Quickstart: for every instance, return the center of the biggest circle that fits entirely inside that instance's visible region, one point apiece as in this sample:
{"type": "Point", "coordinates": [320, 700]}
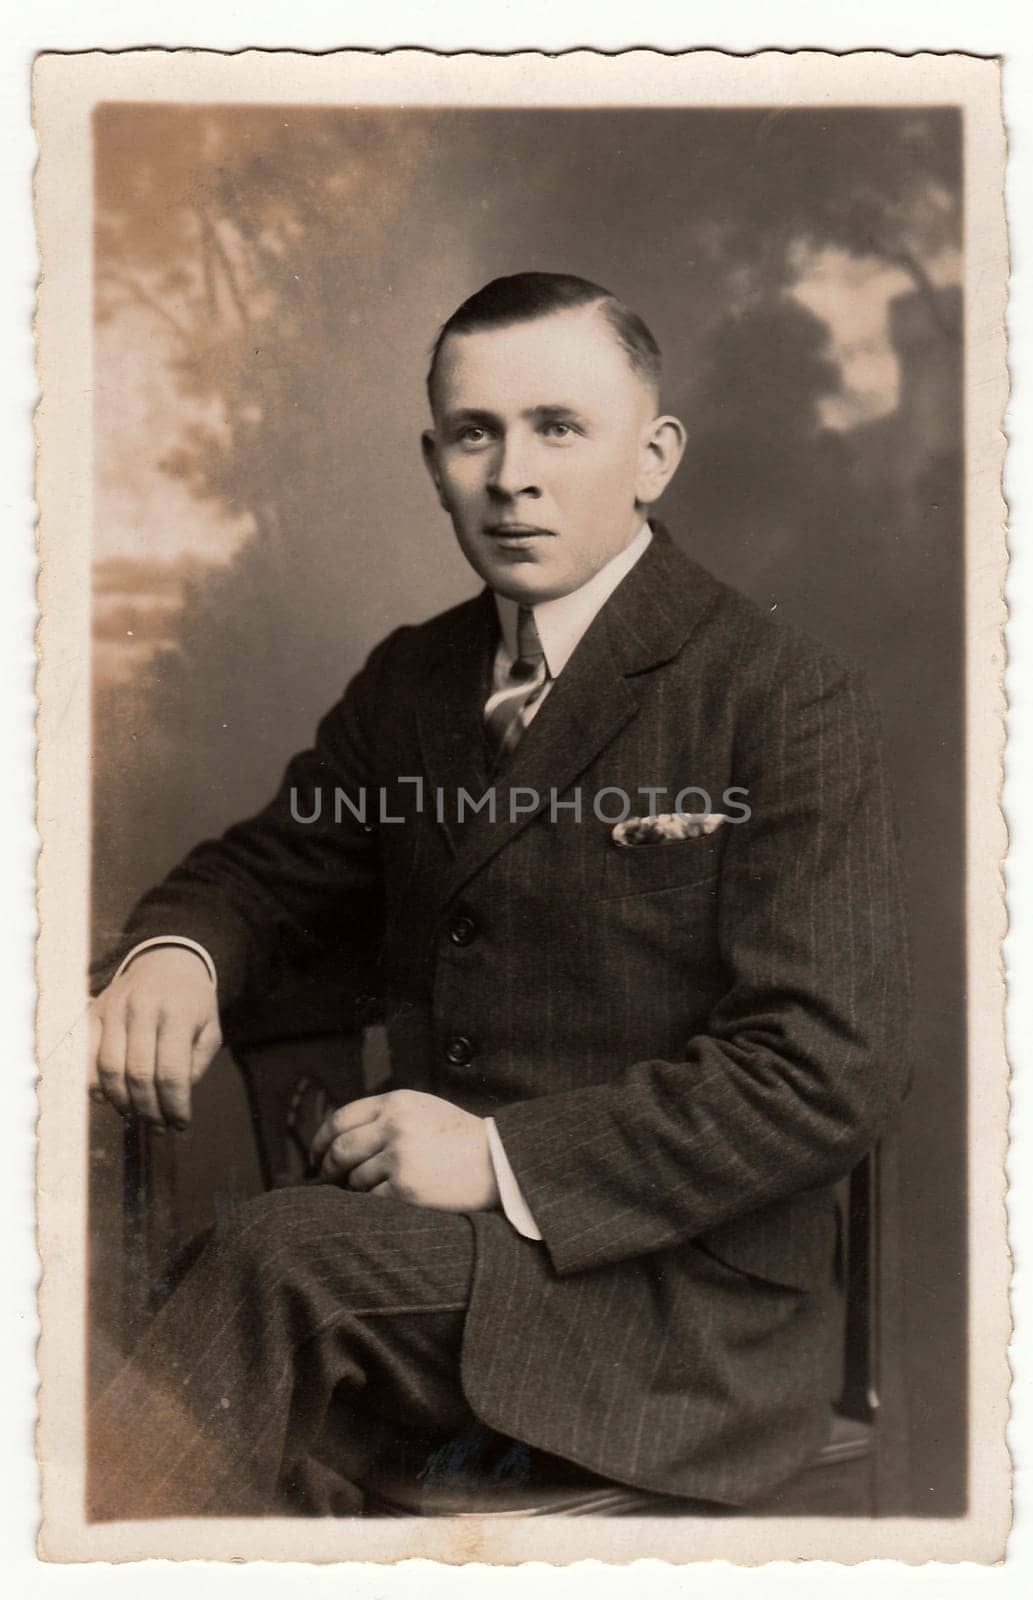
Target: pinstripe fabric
{"type": "Point", "coordinates": [684, 1046]}
{"type": "Point", "coordinates": [303, 1294]}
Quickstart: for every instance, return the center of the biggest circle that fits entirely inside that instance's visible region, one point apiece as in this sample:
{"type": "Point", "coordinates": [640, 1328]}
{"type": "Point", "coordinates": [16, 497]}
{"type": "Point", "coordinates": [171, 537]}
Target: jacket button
{"type": "Point", "coordinates": [459, 1051]}
{"type": "Point", "coordinates": [462, 930]}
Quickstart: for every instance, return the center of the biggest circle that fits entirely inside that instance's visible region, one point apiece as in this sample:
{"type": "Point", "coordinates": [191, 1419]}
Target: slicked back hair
{"type": "Point", "coordinates": [525, 296]}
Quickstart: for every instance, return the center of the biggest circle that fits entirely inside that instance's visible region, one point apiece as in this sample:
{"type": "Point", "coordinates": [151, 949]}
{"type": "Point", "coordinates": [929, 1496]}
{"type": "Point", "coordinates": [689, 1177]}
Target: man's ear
{"type": "Point", "coordinates": [663, 445]}
{"type": "Point", "coordinates": [429, 446]}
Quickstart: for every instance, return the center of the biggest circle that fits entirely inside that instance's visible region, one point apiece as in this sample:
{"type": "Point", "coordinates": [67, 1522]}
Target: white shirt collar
{"type": "Point", "coordinates": [561, 623]}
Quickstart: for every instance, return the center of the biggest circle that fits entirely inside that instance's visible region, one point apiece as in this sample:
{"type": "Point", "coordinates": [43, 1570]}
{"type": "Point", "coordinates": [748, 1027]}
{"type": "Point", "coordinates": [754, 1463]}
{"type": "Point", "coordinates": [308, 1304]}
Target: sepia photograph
{"type": "Point", "coordinates": [521, 649]}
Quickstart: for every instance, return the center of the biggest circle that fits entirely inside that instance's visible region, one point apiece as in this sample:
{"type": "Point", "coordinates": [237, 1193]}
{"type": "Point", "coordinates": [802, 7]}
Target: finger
{"type": "Point", "coordinates": [348, 1149]}
{"type": "Point", "coordinates": [358, 1144]}
{"type": "Point", "coordinates": [322, 1139]}
{"type": "Point", "coordinates": [141, 1058]}
{"type": "Point", "coordinates": [383, 1188]}
{"type": "Point", "coordinates": [173, 1060]}
{"type": "Point", "coordinates": [206, 1047]}
{"type": "Point", "coordinates": [354, 1115]}
{"type": "Point", "coordinates": [96, 1034]}
{"type": "Point", "coordinates": [111, 1060]}
{"type": "Point", "coordinates": [368, 1174]}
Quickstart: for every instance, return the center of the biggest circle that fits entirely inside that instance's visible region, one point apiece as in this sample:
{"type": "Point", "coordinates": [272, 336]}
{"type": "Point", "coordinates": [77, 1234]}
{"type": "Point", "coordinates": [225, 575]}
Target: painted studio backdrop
{"type": "Point", "coordinates": [268, 284]}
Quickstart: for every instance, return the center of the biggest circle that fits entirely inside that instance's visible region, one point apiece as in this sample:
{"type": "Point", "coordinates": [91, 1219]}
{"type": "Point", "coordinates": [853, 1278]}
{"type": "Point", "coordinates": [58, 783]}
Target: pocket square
{"type": "Point", "coordinates": [669, 827]}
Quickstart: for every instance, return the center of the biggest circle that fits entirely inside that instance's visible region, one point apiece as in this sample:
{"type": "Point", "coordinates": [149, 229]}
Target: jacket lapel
{"type": "Point", "coordinates": [450, 708]}
{"type": "Point", "coordinates": [644, 623]}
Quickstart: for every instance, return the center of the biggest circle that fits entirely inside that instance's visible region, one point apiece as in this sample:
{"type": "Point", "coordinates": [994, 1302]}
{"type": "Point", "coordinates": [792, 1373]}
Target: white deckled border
{"type": "Point", "coordinates": [66, 89]}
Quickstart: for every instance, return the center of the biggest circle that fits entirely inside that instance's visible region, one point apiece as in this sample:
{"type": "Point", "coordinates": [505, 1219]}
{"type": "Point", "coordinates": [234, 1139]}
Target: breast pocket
{"type": "Point", "coordinates": [653, 868]}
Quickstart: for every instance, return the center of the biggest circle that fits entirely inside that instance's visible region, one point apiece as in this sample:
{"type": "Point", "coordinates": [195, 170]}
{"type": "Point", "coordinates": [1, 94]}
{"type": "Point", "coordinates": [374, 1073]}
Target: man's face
{"type": "Point", "coordinates": [540, 450]}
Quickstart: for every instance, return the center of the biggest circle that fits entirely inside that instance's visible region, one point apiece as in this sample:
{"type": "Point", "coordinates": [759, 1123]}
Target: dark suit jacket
{"type": "Point", "coordinates": [684, 1045]}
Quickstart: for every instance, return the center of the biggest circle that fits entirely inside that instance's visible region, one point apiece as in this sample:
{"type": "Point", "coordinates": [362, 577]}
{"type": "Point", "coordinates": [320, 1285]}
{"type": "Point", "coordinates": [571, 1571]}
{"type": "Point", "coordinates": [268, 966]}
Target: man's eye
{"type": "Point", "coordinates": [474, 434]}
{"type": "Point", "coordinates": [558, 430]}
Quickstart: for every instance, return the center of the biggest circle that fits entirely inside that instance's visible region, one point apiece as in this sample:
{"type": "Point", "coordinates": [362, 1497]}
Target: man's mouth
{"type": "Point", "coordinates": [506, 532]}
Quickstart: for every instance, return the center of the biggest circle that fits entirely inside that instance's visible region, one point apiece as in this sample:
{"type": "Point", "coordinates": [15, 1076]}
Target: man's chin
{"type": "Point", "coordinates": [523, 576]}
{"type": "Point", "coordinates": [529, 585]}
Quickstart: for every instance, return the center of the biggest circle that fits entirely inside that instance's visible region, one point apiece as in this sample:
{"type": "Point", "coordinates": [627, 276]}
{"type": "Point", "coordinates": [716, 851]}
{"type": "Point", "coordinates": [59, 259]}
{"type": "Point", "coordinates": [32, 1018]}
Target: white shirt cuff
{"type": "Point", "coordinates": [165, 939]}
{"type": "Point", "coordinates": [513, 1203]}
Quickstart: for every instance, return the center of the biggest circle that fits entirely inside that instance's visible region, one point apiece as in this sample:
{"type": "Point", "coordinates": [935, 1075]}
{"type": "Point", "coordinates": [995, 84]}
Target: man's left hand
{"type": "Point", "coordinates": [412, 1146]}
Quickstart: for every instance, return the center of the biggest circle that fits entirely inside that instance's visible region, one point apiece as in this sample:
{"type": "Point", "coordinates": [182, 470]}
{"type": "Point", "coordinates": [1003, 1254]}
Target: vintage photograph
{"type": "Point", "coordinates": [525, 548]}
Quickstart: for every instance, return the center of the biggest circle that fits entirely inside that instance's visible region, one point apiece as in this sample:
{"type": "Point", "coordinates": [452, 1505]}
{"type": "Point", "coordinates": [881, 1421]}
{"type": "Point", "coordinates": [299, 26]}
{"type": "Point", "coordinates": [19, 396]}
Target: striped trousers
{"type": "Point", "coordinates": [302, 1297]}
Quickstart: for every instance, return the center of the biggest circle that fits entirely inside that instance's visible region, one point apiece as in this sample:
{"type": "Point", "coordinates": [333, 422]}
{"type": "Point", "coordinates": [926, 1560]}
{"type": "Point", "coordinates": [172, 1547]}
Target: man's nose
{"type": "Point", "coordinates": [513, 471]}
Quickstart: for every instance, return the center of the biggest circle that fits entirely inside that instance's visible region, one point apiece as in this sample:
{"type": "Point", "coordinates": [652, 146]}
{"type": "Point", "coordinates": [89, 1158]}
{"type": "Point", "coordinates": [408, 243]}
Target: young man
{"type": "Point", "coordinates": [630, 1059]}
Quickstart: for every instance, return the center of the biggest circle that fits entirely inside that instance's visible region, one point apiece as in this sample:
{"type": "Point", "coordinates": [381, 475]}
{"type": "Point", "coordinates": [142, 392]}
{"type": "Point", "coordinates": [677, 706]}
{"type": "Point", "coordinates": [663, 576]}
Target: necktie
{"type": "Point", "coordinates": [505, 713]}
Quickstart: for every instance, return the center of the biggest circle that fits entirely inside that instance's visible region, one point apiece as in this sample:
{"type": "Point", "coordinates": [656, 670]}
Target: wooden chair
{"type": "Point", "coordinates": [860, 1471]}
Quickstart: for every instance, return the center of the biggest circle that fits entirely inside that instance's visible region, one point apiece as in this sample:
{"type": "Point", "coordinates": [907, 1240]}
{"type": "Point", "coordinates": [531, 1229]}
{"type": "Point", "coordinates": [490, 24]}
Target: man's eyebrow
{"type": "Point", "coordinates": [555, 413]}
{"type": "Point", "coordinates": [463, 416]}
{"type": "Point", "coordinates": [470, 414]}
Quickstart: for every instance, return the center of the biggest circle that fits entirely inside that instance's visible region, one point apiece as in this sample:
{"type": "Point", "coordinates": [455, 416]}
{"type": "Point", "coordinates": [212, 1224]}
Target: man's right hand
{"type": "Point", "coordinates": [153, 1032]}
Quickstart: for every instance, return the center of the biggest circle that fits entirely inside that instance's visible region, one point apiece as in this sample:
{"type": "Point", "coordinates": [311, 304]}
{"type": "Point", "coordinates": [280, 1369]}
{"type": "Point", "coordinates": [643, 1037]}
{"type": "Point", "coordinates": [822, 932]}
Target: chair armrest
{"type": "Point", "coordinates": [291, 1084]}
